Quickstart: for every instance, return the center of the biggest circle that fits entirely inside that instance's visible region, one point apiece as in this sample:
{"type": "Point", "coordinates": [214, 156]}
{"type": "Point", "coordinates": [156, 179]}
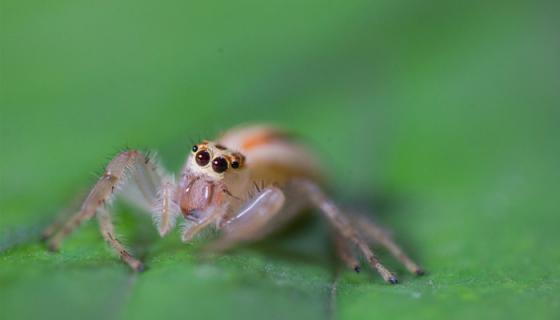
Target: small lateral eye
{"type": "Point", "coordinates": [235, 164]}
{"type": "Point", "coordinates": [194, 148]}
{"type": "Point", "coordinates": [219, 164]}
{"type": "Point", "coordinates": [202, 158]}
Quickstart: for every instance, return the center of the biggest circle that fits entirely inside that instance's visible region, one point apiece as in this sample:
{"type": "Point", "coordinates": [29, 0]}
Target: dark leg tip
{"type": "Point", "coordinates": [420, 272]}
{"type": "Point", "coordinates": [140, 268]}
{"type": "Point", "coordinates": [357, 269]}
{"type": "Point", "coordinates": [52, 247]}
{"type": "Point", "coordinates": [393, 280]}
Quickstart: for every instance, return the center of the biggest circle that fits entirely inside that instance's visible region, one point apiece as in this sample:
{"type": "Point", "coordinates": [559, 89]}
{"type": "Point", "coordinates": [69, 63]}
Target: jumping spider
{"type": "Point", "coordinates": [217, 187]}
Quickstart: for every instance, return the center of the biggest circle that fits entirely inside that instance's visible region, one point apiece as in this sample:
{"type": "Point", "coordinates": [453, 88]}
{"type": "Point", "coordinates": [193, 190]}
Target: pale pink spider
{"type": "Point", "coordinates": [246, 184]}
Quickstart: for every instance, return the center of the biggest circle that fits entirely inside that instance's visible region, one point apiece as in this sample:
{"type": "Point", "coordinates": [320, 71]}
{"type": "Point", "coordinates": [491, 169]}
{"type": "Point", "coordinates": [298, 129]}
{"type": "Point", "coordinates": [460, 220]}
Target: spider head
{"type": "Point", "coordinates": [214, 160]}
{"type": "Point", "coordinates": [212, 174]}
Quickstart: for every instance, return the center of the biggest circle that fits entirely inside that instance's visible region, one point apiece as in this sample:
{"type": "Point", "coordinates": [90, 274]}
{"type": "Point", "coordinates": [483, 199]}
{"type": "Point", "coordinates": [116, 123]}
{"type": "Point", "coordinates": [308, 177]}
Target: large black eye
{"type": "Point", "coordinates": [202, 158]}
{"type": "Point", "coordinates": [194, 148]}
{"type": "Point", "coordinates": [219, 164]}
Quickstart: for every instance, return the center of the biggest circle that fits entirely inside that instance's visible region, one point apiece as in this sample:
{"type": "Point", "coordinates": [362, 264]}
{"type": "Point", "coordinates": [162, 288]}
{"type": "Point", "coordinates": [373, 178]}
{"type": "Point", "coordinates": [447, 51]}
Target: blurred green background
{"type": "Point", "coordinates": [443, 117]}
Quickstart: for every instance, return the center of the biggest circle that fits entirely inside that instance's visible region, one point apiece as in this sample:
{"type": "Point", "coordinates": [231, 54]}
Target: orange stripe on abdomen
{"type": "Point", "coordinates": [260, 139]}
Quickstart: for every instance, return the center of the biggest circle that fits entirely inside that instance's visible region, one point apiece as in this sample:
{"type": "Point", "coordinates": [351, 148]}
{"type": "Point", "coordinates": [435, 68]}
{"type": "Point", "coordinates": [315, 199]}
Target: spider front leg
{"type": "Point", "coordinates": [165, 211]}
{"type": "Point", "coordinates": [251, 221]}
{"type": "Point", "coordinates": [208, 217]}
{"type": "Point", "coordinates": [108, 233]}
{"type": "Point", "coordinates": [128, 166]}
{"type": "Point", "coordinates": [62, 216]}
{"type": "Point", "coordinates": [342, 224]}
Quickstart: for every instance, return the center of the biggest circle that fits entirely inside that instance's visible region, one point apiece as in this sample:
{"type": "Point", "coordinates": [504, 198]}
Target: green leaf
{"type": "Point", "coordinates": [441, 118]}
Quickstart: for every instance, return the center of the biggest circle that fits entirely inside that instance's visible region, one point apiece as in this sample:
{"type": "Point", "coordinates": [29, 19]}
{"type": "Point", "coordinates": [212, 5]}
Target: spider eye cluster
{"type": "Point", "coordinates": [219, 164]}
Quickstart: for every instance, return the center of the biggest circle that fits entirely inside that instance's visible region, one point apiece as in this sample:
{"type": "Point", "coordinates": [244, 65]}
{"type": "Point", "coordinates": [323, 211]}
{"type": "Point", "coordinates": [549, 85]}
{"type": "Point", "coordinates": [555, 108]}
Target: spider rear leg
{"type": "Point", "coordinates": [342, 224]}
{"type": "Point", "coordinates": [344, 252]}
{"type": "Point", "coordinates": [378, 234]}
